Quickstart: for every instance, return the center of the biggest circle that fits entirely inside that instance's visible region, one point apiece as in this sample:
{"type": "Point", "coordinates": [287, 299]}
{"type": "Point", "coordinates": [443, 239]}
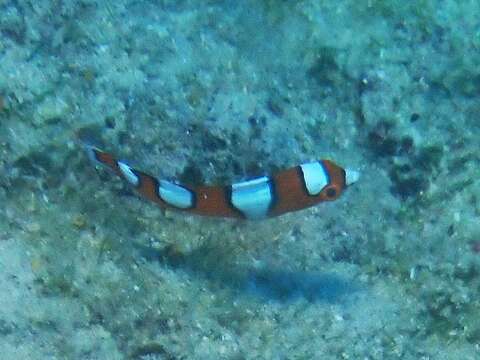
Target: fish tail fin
{"type": "Point", "coordinates": [88, 139]}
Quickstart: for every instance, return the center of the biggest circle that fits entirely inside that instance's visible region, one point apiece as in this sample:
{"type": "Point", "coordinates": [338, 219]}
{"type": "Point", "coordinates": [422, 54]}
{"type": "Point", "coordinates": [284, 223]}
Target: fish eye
{"type": "Point", "coordinates": [331, 193]}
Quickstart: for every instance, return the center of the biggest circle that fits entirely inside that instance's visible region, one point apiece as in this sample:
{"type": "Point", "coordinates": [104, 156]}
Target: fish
{"type": "Point", "coordinates": [292, 189]}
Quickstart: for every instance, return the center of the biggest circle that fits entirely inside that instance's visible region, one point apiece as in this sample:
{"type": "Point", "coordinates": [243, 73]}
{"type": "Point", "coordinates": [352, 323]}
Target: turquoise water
{"type": "Point", "coordinates": [214, 92]}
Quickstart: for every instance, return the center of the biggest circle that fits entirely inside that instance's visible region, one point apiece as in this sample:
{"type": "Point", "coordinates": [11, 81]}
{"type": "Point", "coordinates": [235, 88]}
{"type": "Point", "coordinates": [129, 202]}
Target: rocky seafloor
{"type": "Point", "coordinates": [212, 92]}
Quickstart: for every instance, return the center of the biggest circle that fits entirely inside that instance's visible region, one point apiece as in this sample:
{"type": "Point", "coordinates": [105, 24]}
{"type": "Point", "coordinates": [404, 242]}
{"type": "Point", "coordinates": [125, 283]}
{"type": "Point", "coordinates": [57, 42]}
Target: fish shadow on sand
{"type": "Point", "coordinates": [284, 286]}
{"type": "Point", "coordinates": [266, 284]}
